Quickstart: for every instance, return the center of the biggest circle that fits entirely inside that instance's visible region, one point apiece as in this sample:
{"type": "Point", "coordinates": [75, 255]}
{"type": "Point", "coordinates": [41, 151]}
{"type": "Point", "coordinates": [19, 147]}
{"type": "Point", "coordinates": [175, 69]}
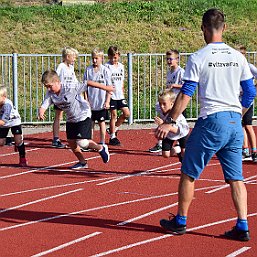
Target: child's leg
{"type": "Point", "coordinates": [56, 124]}
{"type": "Point", "coordinates": [112, 123]}
{"type": "Point", "coordinates": [102, 131]}
{"type": "Point", "coordinates": [125, 114]}
{"type": "Point", "coordinates": [76, 150]}
{"type": "Point", "coordinates": [3, 135]}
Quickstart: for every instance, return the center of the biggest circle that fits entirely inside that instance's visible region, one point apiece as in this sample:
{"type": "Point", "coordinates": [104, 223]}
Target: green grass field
{"type": "Point", "coordinates": [135, 26]}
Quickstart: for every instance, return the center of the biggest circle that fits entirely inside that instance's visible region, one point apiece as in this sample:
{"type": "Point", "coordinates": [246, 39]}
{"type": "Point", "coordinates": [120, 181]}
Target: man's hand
{"type": "Point", "coordinates": [162, 131]}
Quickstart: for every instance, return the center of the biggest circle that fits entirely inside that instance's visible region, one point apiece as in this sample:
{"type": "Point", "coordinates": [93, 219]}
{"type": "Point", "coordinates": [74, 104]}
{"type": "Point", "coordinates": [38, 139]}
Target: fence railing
{"type": "Point", "coordinates": [146, 77]}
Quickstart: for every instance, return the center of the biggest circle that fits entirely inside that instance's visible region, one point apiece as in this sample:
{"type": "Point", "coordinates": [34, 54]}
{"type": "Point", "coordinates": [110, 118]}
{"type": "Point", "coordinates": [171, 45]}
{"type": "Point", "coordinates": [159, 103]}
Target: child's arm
{"type": "Point", "coordinates": [46, 103]}
{"type": "Point", "coordinates": [107, 101]}
{"type": "Point", "coordinates": [2, 123]}
{"type": "Point", "coordinates": [41, 113]}
{"type": "Point", "coordinates": [101, 86]}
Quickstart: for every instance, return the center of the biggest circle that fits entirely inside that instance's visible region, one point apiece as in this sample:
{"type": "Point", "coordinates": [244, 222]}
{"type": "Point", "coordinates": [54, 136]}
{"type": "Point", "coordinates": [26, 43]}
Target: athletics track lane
{"type": "Point", "coordinates": [113, 209]}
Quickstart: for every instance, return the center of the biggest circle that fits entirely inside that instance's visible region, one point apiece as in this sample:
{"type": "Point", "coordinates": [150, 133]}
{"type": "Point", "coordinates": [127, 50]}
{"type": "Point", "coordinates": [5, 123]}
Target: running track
{"type": "Point", "coordinates": [113, 209]}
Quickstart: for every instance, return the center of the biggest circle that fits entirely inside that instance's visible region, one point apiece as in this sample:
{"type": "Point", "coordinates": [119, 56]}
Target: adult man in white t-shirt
{"type": "Point", "coordinates": [218, 70]}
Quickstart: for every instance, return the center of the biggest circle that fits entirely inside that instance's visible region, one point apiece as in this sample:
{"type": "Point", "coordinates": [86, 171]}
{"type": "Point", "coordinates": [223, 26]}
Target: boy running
{"type": "Point", "coordinates": [68, 98]}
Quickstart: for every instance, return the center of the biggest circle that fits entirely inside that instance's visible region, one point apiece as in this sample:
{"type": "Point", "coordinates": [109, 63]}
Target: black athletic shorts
{"type": "Point", "coordinates": [248, 117]}
{"type": "Point", "coordinates": [16, 130]}
{"type": "Point", "coordinates": [101, 115]}
{"type": "Point", "coordinates": [118, 104]}
{"type": "Point", "coordinates": [79, 130]}
{"type": "Point", "coordinates": [167, 144]}
{"type": "Point", "coordinates": [57, 108]}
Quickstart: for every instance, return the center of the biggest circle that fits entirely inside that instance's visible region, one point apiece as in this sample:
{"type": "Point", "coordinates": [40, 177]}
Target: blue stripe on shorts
{"type": "Point", "coordinates": [221, 134]}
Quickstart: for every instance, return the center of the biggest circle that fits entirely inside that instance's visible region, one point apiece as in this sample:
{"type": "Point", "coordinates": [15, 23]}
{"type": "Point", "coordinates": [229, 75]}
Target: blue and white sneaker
{"type": "Point", "coordinates": [105, 154]}
{"type": "Point", "coordinates": [79, 166]}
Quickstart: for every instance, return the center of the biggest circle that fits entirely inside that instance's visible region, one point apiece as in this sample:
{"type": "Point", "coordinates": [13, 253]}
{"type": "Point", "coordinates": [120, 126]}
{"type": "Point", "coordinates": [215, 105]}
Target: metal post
{"type": "Point", "coordinates": [130, 88]}
{"type": "Point", "coordinates": [15, 79]}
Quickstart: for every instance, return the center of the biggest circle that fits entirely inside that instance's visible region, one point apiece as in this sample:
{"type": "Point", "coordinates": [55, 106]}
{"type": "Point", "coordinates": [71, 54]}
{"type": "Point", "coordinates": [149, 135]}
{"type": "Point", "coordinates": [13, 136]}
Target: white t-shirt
{"type": "Point", "coordinates": [253, 70]}
{"type": "Point", "coordinates": [175, 77]}
{"type": "Point", "coordinates": [66, 73]}
{"type": "Point", "coordinates": [70, 101]}
{"type": "Point", "coordinates": [117, 76]}
{"type": "Point", "coordinates": [97, 96]}
{"type": "Point", "coordinates": [218, 69]}
{"type": "Point", "coordinates": [181, 123]}
{"type": "Point", "coordinates": [9, 114]}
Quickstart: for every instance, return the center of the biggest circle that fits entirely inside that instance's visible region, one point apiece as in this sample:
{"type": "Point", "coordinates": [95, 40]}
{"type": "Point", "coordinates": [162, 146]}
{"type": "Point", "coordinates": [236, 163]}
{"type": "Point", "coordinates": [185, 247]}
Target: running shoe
{"type": "Point", "coordinates": [114, 141]}
{"type": "Point", "coordinates": [254, 156]}
{"type": "Point", "coordinates": [23, 162]}
{"type": "Point", "coordinates": [105, 154]}
{"type": "Point", "coordinates": [172, 226]}
{"type": "Point", "coordinates": [246, 156]}
{"type": "Point", "coordinates": [236, 234]}
{"type": "Point", "coordinates": [58, 144]}
{"type": "Point", "coordinates": [79, 166]}
{"type": "Point", "coordinates": [155, 149]}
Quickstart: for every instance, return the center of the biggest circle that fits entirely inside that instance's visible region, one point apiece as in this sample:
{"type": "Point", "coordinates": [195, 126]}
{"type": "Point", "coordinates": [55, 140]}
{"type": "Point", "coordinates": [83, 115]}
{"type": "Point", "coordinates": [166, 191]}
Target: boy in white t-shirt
{"type": "Point", "coordinates": [99, 99]}
{"type": "Point", "coordinates": [179, 132]}
{"type": "Point", "coordinates": [173, 80]}
{"type": "Point", "coordinates": [118, 101]}
{"type": "Point", "coordinates": [65, 71]}
{"type": "Point", "coordinates": [10, 119]}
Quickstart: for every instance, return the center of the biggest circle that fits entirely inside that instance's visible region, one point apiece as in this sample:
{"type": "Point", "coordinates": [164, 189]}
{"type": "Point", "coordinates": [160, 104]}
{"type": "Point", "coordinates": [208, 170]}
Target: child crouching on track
{"type": "Point", "coordinates": [68, 98]}
{"type": "Point", "coordinates": [179, 130]}
{"type": "Point", "coordinates": [10, 119]}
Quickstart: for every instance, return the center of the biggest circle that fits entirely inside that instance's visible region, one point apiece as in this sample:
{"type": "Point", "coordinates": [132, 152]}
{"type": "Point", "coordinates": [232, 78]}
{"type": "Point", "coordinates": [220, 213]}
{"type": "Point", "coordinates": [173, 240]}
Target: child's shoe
{"type": "Point", "coordinates": [105, 154]}
{"type": "Point", "coordinates": [23, 162]}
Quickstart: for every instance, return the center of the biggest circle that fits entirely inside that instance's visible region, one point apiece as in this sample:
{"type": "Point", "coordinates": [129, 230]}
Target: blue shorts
{"type": "Point", "coordinates": [221, 134]}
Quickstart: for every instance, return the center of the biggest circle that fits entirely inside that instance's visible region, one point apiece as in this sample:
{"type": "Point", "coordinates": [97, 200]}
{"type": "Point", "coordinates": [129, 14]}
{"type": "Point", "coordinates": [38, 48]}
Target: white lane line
{"type": "Point", "coordinates": [45, 168]}
{"type": "Point", "coordinates": [95, 209]}
{"type": "Point", "coordinates": [147, 214]}
{"type": "Point", "coordinates": [227, 185]}
{"type": "Point", "coordinates": [161, 237]}
{"type": "Point", "coordinates": [51, 187]}
{"type": "Point", "coordinates": [137, 174]}
{"type": "Point", "coordinates": [67, 244]}
{"type": "Point", "coordinates": [238, 252]}
{"type": "Point", "coordinates": [40, 200]}
{"type": "Point", "coordinates": [15, 153]}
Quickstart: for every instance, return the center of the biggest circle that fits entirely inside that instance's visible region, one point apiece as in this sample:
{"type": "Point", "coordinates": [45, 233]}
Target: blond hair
{"type": "Point", "coordinates": [97, 51]}
{"type": "Point", "coordinates": [49, 76]}
{"type": "Point", "coordinates": [167, 94]}
{"type": "Point", "coordinates": [3, 91]}
{"type": "Point", "coordinates": [67, 51]}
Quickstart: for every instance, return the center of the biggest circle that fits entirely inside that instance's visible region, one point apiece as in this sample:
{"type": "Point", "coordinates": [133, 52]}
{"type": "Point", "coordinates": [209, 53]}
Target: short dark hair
{"type": "Point", "coordinates": [213, 19]}
{"type": "Point", "coordinates": [113, 50]}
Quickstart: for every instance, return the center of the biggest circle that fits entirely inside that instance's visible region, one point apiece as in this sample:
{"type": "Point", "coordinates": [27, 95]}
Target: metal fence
{"type": "Point", "coordinates": [146, 77]}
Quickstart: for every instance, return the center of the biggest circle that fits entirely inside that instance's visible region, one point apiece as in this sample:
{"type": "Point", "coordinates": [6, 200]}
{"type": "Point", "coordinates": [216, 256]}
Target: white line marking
{"type": "Point", "coordinates": [242, 250]}
{"type": "Point", "coordinates": [96, 209]}
{"type": "Point", "coordinates": [15, 153]}
{"type": "Point", "coordinates": [147, 214]}
{"type": "Point", "coordinates": [67, 244]}
{"type": "Point", "coordinates": [227, 185]}
{"type": "Point", "coordinates": [51, 187]}
{"type": "Point", "coordinates": [137, 174]}
{"type": "Point", "coordinates": [40, 200]}
{"type": "Point", "coordinates": [45, 168]}
{"type": "Point", "coordinates": [161, 237]}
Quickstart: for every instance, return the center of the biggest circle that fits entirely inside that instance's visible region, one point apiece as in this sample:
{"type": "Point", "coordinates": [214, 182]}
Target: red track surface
{"type": "Point", "coordinates": [113, 209]}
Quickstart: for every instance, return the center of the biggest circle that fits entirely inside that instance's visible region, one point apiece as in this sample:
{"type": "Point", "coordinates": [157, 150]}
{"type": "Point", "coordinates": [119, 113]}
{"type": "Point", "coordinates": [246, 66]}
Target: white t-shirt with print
{"type": "Point", "coordinates": [218, 70]}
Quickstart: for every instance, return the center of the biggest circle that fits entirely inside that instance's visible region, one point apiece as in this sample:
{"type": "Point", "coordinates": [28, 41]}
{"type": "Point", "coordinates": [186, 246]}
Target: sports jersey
{"type": "Point", "coordinates": [117, 76]}
{"type": "Point", "coordinates": [215, 68]}
{"type": "Point", "coordinates": [9, 114]}
{"type": "Point", "coordinates": [175, 77]}
{"type": "Point", "coordinates": [96, 96]}
{"type": "Point", "coordinates": [253, 70]}
{"type": "Point", "coordinates": [66, 73]}
{"type": "Point", "coordinates": [70, 101]}
{"type": "Point", "coordinates": [181, 123]}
